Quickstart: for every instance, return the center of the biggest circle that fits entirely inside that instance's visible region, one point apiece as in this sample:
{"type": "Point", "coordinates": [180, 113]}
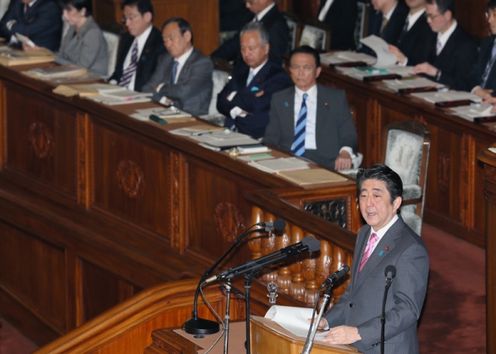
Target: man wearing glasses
{"type": "Point", "coordinates": [453, 51]}
{"type": "Point", "coordinates": [139, 47]}
{"type": "Point", "coordinates": [311, 120]}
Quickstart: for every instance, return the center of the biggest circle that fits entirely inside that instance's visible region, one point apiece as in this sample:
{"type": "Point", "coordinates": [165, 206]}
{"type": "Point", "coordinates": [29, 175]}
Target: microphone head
{"type": "Point", "coordinates": [345, 268]}
{"type": "Point", "coordinates": [279, 226]}
{"type": "Point", "coordinates": [312, 243]}
{"type": "Point", "coordinates": [390, 271]}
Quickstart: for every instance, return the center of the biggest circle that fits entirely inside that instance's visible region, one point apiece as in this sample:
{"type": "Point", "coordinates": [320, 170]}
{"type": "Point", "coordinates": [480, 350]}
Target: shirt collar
{"type": "Point", "coordinates": [262, 13]}
{"type": "Point", "coordinates": [443, 37]}
{"type": "Point", "coordinates": [380, 233]}
{"type": "Point", "coordinates": [258, 68]}
{"type": "Point", "coordinates": [390, 12]}
{"type": "Point", "coordinates": [182, 59]}
{"type": "Point", "coordinates": [143, 37]}
{"type": "Point", "coordinates": [412, 18]}
{"type": "Point", "coordinates": [312, 91]}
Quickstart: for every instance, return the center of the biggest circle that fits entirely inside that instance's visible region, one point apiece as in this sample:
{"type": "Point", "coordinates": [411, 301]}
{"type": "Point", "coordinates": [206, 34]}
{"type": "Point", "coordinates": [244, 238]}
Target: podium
{"type": "Point", "coordinates": [267, 337]}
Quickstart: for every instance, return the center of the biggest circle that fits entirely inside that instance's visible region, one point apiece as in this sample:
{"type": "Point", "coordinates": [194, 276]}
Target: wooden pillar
{"type": "Point", "coordinates": [488, 160]}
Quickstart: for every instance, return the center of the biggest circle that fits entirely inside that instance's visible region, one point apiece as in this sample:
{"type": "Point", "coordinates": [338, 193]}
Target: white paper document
{"type": "Point", "coordinates": [280, 164]}
{"type": "Point", "coordinates": [412, 83]}
{"type": "Point", "coordinates": [342, 57]}
{"type": "Point", "coordinates": [447, 96]}
{"type": "Point", "coordinates": [169, 113]}
{"type": "Point", "coordinates": [380, 47]}
{"type": "Point", "coordinates": [224, 139]}
{"type": "Point", "coordinates": [473, 111]}
{"type": "Point", "coordinates": [294, 319]}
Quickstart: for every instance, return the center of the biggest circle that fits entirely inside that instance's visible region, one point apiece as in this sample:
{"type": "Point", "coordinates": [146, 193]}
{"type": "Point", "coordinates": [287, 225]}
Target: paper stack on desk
{"type": "Point", "coordinates": [412, 83]}
{"type": "Point", "coordinates": [343, 57]}
{"type": "Point", "coordinates": [66, 71]}
{"type": "Point", "coordinates": [447, 96]}
{"type": "Point", "coordinates": [280, 164]}
{"type": "Point", "coordinates": [14, 57]}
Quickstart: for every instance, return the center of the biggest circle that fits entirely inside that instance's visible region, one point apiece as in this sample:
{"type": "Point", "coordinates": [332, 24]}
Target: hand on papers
{"type": "Point", "coordinates": [401, 59]}
{"type": "Point", "coordinates": [343, 161]}
{"type": "Point", "coordinates": [425, 68]}
{"type": "Point", "coordinates": [485, 94]}
{"type": "Point", "coordinates": [342, 335]}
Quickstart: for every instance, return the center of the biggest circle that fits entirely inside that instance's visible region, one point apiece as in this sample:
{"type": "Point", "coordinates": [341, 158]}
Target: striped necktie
{"type": "Point", "coordinates": [131, 68]}
{"type": "Point", "coordinates": [368, 250]}
{"type": "Point", "coordinates": [489, 65]}
{"type": "Point", "coordinates": [298, 147]}
{"type": "Point", "coordinates": [175, 64]}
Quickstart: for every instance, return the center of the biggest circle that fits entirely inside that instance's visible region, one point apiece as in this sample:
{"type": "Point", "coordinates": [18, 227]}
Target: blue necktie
{"type": "Point", "coordinates": [298, 147]}
{"type": "Point", "coordinates": [489, 66]}
{"type": "Point", "coordinates": [175, 63]}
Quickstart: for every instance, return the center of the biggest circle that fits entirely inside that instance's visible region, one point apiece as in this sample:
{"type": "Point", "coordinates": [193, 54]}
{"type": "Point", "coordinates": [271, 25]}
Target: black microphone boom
{"type": "Point", "coordinates": [308, 245]}
{"type": "Point", "coordinates": [337, 276]}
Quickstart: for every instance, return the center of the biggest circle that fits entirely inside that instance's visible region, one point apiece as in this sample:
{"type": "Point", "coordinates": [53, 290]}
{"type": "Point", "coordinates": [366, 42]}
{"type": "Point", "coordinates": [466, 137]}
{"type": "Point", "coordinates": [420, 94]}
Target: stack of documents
{"type": "Point", "coordinates": [216, 138]}
{"type": "Point", "coordinates": [164, 114]}
{"type": "Point", "coordinates": [57, 72]}
{"type": "Point", "coordinates": [447, 96]}
{"type": "Point", "coordinates": [344, 57]}
{"type": "Point", "coordinates": [13, 57]}
{"type": "Point", "coordinates": [280, 164]}
{"type": "Point", "coordinates": [312, 176]}
{"type": "Point", "coordinates": [412, 84]}
{"type": "Point", "coordinates": [477, 113]}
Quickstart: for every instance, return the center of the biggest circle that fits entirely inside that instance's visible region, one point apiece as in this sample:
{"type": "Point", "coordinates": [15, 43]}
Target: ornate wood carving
{"type": "Point", "coordinates": [334, 210]}
{"type": "Point", "coordinates": [41, 139]}
{"type": "Point", "coordinates": [130, 178]}
{"type": "Point", "coordinates": [229, 221]}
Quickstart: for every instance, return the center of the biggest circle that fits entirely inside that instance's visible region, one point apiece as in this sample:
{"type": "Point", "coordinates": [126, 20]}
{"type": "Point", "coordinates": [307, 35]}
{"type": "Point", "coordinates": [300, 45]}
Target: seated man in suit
{"type": "Point", "coordinates": [264, 11]}
{"type": "Point", "coordinates": [385, 241]}
{"type": "Point", "coordinates": [453, 52]}
{"type": "Point", "coordinates": [388, 19]}
{"type": "Point", "coordinates": [311, 120]}
{"type": "Point", "coordinates": [483, 75]}
{"type": "Point", "coordinates": [139, 47]}
{"type": "Point", "coordinates": [183, 76]}
{"type": "Point", "coordinates": [340, 16]}
{"type": "Point", "coordinates": [412, 47]}
{"type": "Point", "coordinates": [245, 100]}
{"type": "Point", "coordinates": [40, 20]}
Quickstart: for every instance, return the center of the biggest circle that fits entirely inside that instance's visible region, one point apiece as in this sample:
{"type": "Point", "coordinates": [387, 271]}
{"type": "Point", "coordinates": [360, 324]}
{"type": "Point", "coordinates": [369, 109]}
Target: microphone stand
{"type": "Point", "coordinates": [383, 312]}
{"type": "Point", "coordinates": [227, 315]}
{"type": "Point", "coordinates": [315, 322]}
{"type": "Point", "coordinates": [248, 281]}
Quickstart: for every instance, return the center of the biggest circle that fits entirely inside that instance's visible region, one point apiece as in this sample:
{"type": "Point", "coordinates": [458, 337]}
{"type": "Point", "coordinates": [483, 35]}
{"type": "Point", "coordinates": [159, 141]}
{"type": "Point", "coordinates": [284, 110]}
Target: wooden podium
{"type": "Point", "coordinates": [267, 337]}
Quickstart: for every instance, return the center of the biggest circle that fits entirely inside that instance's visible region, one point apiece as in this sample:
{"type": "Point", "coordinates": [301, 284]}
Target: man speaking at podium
{"type": "Point", "coordinates": [385, 242]}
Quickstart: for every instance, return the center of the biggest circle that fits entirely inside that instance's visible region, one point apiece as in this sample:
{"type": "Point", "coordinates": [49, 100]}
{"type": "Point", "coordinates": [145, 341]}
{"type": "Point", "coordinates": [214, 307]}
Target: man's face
{"type": "Point", "coordinates": [303, 70]}
{"type": "Point", "coordinates": [491, 20]}
{"type": "Point", "coordinates": [415, 4]}
{"type": "Point", "coordinates": [381, 5]}
{"type": "Point", "coordinates": [257, 6]}
{"type": "Point", "coordinates": [253, 51]}
{"type": "Point", "coordinates": [135, 22]}
{"type": "Point", "coordinates": [375, 203]}
{"type": "Point", "coordinates": [437, 21]}
{"type": "Point", "coordinates": [175, 42]}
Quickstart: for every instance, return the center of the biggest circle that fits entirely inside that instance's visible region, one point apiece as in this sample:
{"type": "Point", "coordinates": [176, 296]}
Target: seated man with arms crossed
{"type": "Point", "coordinates": [245, 100]}
{"type": "Point", "coordinates": [311, 120]}
{"type": "Point", "coordinates": [183, 76]}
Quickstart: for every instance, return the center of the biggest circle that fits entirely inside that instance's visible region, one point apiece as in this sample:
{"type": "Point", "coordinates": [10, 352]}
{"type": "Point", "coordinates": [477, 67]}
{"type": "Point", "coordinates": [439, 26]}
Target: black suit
{"type": "Point", "coordinates": [275, 24]}
{"type": "Point", "coordinates": [414, 43]}
{"type": "Point", "coordinates": [253, 99]}
{"type": "Point", "coordinates": [341, 19]}
{"type": "Point", "coordinates": [42, 22]}
{"type": "Point", "coordinates": [147, 61]}
{"type": "Point", "coordinates": [394, 26]}
{"type": "Point", "coordinates": [480, 66]}
{"type": "Point", "coordinates": [233, 14]}
{"type": "Point", "coordinates": [455, 60]}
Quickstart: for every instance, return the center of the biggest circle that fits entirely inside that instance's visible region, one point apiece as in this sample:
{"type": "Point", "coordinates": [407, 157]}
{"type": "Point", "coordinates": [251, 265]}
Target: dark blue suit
{"type": "Point", "coordinates": [42, 22]}
{"type": "Point", "coordinates": [341, 19]}
{"type": "Point", "coordinates": [254, 98]}
{"type": "Point", "coordinates": [147, 61]}
{"type": "Point", "coordinates": [394, 26]}
{"type": "Point", "coordinates": [479, 68]}
{"type": "Point", "coordinates": [414, 44]}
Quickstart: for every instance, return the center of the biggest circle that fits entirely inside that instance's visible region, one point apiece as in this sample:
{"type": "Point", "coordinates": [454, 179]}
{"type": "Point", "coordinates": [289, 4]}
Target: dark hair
{"type": "Point", "coordinates": [491, 5]}
{"type": "Point", "coordinates": [393, 182]}
{"type": "Point", "coordinates": [444, 5]}
{"type": "Point", "coordinates": [183, 25]}
{"type": "Point", "coordinates": [306, 49]}
{"type": "Point", "coordinates": [143, 6]}
{"type": "Point", "coordinates": [255, 26]}
{"type": "Point", "coordinates": [77, 4]}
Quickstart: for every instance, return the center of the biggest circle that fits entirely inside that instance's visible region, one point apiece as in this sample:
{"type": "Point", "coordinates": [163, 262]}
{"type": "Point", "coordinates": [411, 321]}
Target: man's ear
{"type": "Point", "coordinates": [397, 203]}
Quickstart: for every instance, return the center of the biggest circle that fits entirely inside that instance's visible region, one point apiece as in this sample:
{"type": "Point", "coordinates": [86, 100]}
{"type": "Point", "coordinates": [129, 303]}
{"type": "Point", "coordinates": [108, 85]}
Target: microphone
{"type": "Point", "coordinates": [199, 326]}
{"type": "Point", "coordinates": [336, 277]}
{"type": "Point", "coordinates": [390, 272]}
{"type": "Point", "coordinates": [308, 245]}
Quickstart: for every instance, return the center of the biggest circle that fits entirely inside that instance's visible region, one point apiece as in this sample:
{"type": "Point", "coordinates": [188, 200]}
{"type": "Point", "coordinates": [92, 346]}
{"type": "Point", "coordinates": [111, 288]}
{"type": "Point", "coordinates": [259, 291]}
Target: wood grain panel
{"type": "Point", "coordinates": [30, 266]}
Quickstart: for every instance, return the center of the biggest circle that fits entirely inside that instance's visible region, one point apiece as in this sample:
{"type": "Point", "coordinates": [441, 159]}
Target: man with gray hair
{"type": "Point", "coordinates": [245, 100]}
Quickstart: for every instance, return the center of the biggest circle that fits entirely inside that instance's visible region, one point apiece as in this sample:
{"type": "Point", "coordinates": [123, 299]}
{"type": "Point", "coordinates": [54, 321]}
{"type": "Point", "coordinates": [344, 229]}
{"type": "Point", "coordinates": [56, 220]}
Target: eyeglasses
{"type": "Point", "coordinates": [130, 18]}
{"type": "Point", "coordinates": [302, 67]}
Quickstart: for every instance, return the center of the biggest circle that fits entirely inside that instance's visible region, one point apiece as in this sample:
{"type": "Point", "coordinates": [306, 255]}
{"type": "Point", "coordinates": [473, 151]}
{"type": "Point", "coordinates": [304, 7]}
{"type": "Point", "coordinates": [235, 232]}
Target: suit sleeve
{"type": "Point", "coordinates": [273, 130]}
{"type": "Point", "coordinates": [347, 130]}
{"type": "Point", "coordinates": [199, 77]}
{"type": "Point", "coordinates": [43, 22]}
{"type": "Point", "coordinates": [464, 60]}
{"type": "Point", "coordinates": [158, 75]}
{"type": "Point", "coordinates": [408, 293]}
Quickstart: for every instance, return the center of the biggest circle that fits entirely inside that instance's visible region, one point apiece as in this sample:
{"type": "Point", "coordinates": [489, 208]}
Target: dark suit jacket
{"type": "Point", "coordinates": [193, 89]}
{"type": "Point", "coordinates": [394, 26]}
{"type": "Point", "coordinates": [233, 14]}
{"type": "Point", "coordinates": [455, 60]}
{"type": "Point", "coordinates": [147, 62]}
{"type": "Point", "coordinates": [334, 127]}
{"type": "Point", "coordinates": [480, 66]}
{"type": "Point", "coordinates": [254, 98]}
{"type": "Point", "coordinates": [42, 22]}
{"type": "Point", "coordinates": [341, 19]}
{"type": "Point", "coordinates": [415, 42]}
{"type": "Point", "coordinates": [276, 25]}
{"type": "Point", "coordinates": [361, 304]}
